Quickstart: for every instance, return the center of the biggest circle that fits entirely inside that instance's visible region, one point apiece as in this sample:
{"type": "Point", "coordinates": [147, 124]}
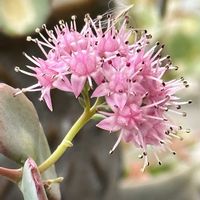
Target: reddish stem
{"type": "Point", "coordinates": [13, 175]}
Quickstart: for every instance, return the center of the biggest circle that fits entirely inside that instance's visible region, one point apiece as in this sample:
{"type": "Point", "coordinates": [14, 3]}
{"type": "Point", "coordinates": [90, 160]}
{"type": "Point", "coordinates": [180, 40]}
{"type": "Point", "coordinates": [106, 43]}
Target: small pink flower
{"type": "Point", "coordinates": [83, 66]}
{"type": "Point", "coordinates": [48, 77]}
{"type": "Point", "coordinates": [118, 84]}
{"type": "Point", "coordinates": [71, 56]}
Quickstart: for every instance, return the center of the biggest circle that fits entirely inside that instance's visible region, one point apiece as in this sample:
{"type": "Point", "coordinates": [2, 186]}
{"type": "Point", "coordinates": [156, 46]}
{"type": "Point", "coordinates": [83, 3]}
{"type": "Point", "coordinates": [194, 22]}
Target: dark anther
{"type": "Point", "coordinates": [111, 152]}
{"type": "Point", "coordinates": [110, 62]}
{"type": "Point", "coordinates": [157, 43]}
{"type": "Point", "coordinates": [163, 83]}
{"type": "Point", "coordinates": [185, 82]}
{"type": "Point", "coordinates": [128, 64]}
{"type": "Point", "coordinates": [176, 67]}
{"type": "Point", "coordinates": [184, 114]}
{"type": "Point", "coordinates": [149, 36]}
{"type": "Point", "coordinates": [167, 132]}
{"type": "Point", "coordinates": [178, 107]}
{"type": "Point", "coordinates": [108, 16]}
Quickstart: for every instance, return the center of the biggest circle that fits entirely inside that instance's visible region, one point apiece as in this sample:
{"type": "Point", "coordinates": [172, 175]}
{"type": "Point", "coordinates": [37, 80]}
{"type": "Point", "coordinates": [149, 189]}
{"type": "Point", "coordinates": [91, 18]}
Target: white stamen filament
{"type": "Point", "coordinates": [30, 67]}
{"type": "Point", "coordinates": [156, 118]}
{"type": "Point", "coordinates": [146, 163]}
{"type": "Point", "coordinates": [116, 144]}
{"type": "Point", "coordinates": [31, 59]}
{"type": "Point", "coordinates": [156, 103]}
{"type": "Point", "coordinates": [176, 136]}
{"type": "Point", "coordinates": [177, 112]}
{"type": "Point", "coordinates": [32, 88]}
{"type": "Point", "coordinates": [17, 69]}
{"type": "Point", "coordinates": [41, 48]}
{"type": "Point", "coordinates": [74, 22]}
{"type": "Point", "coordinates": [180, 103]}
{"type": "Point", "coordinates": [156, 156]}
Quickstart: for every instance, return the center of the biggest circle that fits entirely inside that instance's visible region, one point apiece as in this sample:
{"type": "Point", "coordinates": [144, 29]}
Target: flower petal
{"type": "Point", "coordinates": [120, 99]}
{"type": "Point", "coordinates": [77, 83]}
{"type": "Point", "coordinates": [101, 90]}
{"type": "Point", "coordinates": [47, 99]}
{"type": "Point", "coordinates": [62, 84]}
{"type": "Point", "coordinates": [108, 124]}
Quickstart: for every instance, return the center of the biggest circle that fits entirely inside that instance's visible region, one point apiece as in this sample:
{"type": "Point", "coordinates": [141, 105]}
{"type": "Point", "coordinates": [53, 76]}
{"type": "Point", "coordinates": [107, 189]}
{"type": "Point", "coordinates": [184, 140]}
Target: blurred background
{"type": "Point", "coordinates": [90, 172]}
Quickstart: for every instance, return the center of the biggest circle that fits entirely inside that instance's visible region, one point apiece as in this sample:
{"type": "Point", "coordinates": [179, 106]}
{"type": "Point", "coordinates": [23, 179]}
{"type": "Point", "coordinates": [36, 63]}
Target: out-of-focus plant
{"type": "Point", "coordinates": [20, 17]}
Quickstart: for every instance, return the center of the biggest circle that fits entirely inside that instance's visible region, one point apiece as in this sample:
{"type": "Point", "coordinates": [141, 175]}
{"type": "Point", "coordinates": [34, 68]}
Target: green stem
{"type": "Point", "coordinates": [67, 141]}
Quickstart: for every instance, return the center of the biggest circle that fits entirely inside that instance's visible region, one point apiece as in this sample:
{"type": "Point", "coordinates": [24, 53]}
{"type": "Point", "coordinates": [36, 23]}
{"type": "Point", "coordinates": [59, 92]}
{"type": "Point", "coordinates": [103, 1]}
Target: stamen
{"type": "Point", "coordinates": [46, 42]}
{"type": "Point", "coordinates": [116, 144]}
{"type": "Point", "coordinates": [157, 53]}
{"type": "Point", "coordinates": [42, 49]}
{"type": "Point", "coordinates": [73, 17]}
{"type": "Point", "coordinates": [184, 114]}
{"type": "Point", "coordinates": [28, 38]}
{"type": "Point", "coordinates": [156, 156]}
{"type": "Point", "coordinates": [31, 59]}
{"type": "Point", "coordinates": [17, 69]}
{"type": "Point", "coordinates": [187, 130]}
{"type": "Point", "coordinates": [157, 103]}
{"type": "Point", "coordinates": [31, 88]}
{"type": "Point", "coordinates": [62, 23]}
{"type": "Point", "coordinates": [170, 150]}
{"type": "Point", "coordinates": [137, 72]}
{"type": "Point", "coordinates": [176, 136]}
{"type": "Point", "coordinates": [90, 82]}
{"type": "Point", "coordinates": [146, 163]}
{"type": "Point", "coordinates": [156, 118]}
{"type": "Point", "coordinates": [37, 30]}
{"type": "Point", "coordinates": [30, 67]}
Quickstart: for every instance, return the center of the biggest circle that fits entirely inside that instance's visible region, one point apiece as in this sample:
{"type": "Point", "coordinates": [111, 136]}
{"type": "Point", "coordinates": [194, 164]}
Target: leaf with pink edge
{"type": "Point", "coordinates": [31, 184]}
{"type": "Point", "coordinates": [21, 134]}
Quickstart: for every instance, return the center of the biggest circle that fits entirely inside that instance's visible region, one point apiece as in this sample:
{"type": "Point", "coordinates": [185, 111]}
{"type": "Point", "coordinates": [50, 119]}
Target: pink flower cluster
{"type": "Point", "coordinates": [129, 75]}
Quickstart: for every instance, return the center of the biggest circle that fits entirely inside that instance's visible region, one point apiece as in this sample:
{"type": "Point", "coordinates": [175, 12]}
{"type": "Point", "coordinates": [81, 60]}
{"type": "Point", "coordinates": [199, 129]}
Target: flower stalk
{"type": "Point", "coordinates": [67, 141]}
